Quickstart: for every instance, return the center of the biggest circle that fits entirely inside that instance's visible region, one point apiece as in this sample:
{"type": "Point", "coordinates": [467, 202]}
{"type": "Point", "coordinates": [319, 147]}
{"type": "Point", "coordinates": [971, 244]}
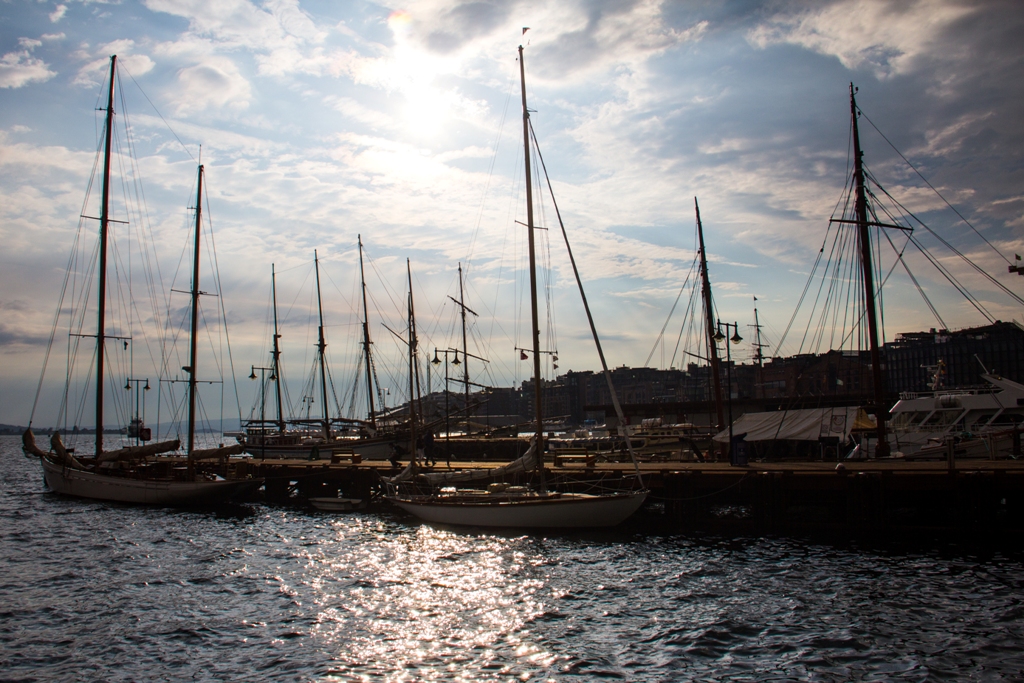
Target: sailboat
{"type": "Point", "coordinates": [134, 474]}
{"type": "Point", "coordinates": [362, 438]}
{"type": "Point", "coordinates": [536, 505]}
{"type": "Point", "coordinates": [261, 441]}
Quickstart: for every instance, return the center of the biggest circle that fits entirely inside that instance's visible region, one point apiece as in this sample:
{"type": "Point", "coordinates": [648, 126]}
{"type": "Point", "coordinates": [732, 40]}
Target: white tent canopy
{"type": "Point", "coordinates": [809, 424]}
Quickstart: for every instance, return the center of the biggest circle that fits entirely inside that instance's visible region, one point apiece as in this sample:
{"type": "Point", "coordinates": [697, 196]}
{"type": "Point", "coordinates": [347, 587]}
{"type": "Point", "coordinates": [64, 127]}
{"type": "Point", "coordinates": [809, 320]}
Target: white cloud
{"type": "Point", "coordinates": [950, 137]}
{"type": "Point", "coordinates": [58, 13]}
{"type": "Point", "coordinates": [97, 65]}
{"type": "Point", "coordinates": [889, 38]}
{"type": "Point", "coordinates": [282, 37]}
{"type": "Point", "coordinates": [20, 68]}
{"type": "Point", "coordinates": [214, 84]}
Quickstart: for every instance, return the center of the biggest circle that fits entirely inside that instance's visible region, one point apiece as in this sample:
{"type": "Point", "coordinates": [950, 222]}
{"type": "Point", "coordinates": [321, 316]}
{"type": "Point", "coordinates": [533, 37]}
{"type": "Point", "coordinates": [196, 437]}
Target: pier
{"type": "Point", "coordinates": [864, 496]}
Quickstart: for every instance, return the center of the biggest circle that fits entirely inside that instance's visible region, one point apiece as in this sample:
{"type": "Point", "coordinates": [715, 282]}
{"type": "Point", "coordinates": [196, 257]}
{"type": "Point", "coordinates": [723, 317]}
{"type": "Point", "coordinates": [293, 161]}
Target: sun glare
{"type": "Point", "coordinates": [412, 72]}
{"type": "Point", "coordinates": [399, 20]}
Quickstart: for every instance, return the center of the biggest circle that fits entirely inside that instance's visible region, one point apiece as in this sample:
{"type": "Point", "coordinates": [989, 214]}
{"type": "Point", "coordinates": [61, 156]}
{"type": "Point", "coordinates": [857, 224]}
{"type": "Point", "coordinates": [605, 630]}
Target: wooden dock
{"type": "Point", "coordinates": [860, 496]}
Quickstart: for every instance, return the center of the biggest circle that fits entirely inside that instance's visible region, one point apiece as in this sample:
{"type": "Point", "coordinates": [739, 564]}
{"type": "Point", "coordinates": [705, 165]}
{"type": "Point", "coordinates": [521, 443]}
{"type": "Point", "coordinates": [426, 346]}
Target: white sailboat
{"type": "Point", "coordinates": [142, 473]}
{"type": "Point", "coordinates": [436, 497]}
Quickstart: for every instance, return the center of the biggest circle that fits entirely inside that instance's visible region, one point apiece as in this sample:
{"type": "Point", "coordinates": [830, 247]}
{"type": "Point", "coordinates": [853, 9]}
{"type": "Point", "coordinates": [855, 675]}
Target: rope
{"type": "Point", "coordinates": [931, 186]}
{"type": "Point", "coordinates": [590, 317]}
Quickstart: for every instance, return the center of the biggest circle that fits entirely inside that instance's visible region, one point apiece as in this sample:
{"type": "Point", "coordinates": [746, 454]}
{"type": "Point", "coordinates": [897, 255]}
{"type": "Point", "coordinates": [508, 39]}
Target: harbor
{"type": "Point", "coordinates": [287, 592]}
{"type": "Point", "coordinates": [479, 341]}
{"type": "Point", "coordinates": [860, 498]}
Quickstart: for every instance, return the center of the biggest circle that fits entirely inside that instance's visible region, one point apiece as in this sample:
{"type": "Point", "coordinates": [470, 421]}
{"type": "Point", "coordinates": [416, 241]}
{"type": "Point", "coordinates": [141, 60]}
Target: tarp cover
{"type": "Point", "coordinates": [809, 424]}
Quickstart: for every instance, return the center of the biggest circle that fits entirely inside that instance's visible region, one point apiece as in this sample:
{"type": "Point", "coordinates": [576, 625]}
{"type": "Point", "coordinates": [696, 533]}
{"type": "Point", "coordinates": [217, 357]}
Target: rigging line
{"type": "Point", "coordinates": [347, 303]}
{"type": "Point", "coordinates": [223, 309]}
{"type": "Point", "coordinates": [956, 251]}
{"type": "Point", "coordinates": [931, 186]}
{"type": "Point", "coordinates": [490, 172]}
{"type": "Point", "coordinates": [859, 324]}
{"type": "Point", "coordinates": [840, 275]}
{"type": "Point", "coordinates": [821, 286]}
{"type": "Point", "coordinates": [927, 301]}
{"type": "Point", "coordinates": [72, 258]}
{"type": "Point", "coordinates": [952, 280]}
{"type": "Point", "coordinates": [906, 266]}
{"type": "Point", "coordinates": [298, 292]}
{"type": "Point", "coordinates": [384, 285]}
{"type": "Point", "coordinates": [586, 306]}
{"type": "Point", "coordinates": [807, 285]}
{"type": "Point", "coordinates": [669, 318]}
{"type": "Point", "coordinates": [546, 267]}
{"type": "Point", "coordinates": [855, 299]}
{"type": "Point", "coordinates": [878, 268]}
{"type": "Point", "coordinates": [501, 261]}
{"type": "Point", "coordinates": [122, 68]}
{"type": "Point", "coordinates": [691, 331]}
{"type": "Point", "coordinates": [829, 277]}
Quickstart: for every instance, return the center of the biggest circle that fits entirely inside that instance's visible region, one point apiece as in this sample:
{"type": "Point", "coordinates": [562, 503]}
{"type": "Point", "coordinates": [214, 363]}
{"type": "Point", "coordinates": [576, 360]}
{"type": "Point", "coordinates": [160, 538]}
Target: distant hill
{"type": "Point", "coordinates": [214, 426]}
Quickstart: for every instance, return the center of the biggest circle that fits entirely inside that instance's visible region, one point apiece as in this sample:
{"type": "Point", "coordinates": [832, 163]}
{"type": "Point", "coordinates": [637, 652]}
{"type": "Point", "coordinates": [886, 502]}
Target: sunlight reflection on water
{"type": "Point", "coordinates": [90, 591]}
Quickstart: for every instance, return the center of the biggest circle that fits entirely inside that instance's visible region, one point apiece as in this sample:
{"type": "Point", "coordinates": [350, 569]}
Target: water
{"type": "Point", "coordinates": [92, 591]}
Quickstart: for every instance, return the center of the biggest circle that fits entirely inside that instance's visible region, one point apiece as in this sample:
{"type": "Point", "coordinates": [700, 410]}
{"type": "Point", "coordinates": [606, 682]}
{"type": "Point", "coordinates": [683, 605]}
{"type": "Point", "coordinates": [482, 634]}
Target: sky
{"type": "Point", "coordinates": [320, 121]}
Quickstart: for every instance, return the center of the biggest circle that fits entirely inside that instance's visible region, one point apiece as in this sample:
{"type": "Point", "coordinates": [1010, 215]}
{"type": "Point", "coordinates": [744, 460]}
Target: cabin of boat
{"type": "Point", "coordinates": [920, 419]}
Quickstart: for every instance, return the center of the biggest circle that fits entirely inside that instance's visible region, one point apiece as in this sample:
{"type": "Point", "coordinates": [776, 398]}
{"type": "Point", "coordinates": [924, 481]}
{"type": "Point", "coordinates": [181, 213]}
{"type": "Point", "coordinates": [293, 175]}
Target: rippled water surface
{"type": "Point", "coordinates": [93, 591]}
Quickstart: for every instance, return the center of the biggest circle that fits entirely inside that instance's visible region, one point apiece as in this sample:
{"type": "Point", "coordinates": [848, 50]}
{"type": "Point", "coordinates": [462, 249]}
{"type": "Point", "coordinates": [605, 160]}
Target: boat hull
{"type": "Point", "coordinates": [336, 504]}
{"type": "Point", "coordinates": [366, 449]}
{"type": "Point", "coordinates": [569, 511]}
{"type": "Point", "coordinates": [81, 484]}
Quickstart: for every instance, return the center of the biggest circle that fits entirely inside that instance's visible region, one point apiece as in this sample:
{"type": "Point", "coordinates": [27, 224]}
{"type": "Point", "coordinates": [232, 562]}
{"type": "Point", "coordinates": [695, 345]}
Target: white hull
{"type": "Point", "coordinates": [564, 511]}
{"type": "Point", "coordinates": [73, 482]}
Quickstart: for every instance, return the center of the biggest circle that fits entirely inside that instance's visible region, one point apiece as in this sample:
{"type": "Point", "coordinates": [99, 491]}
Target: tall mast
{"type": "Point", "coordinates": [412, 366]}
{"type": "Point", "coordinates": [465, 354]}
{"type": "Point", "coordinates": [533, 278]}
{"type": "Point", "coordinates": [321, 346]}
{"type": "Point", "coordinates": [864, 238]}
{"type": "Point", "coordinates": [194, 336]}
{"type": "Point", "coordinates": [709, 320]}
{"type": "Point", "coordinates": [366, 340]}
{"type": "Point", "coordinates": [277, 350]}
{"type": "Point", "coordinates": [104, 222]}
{"type": "Point", "coordinates": [758, 353]}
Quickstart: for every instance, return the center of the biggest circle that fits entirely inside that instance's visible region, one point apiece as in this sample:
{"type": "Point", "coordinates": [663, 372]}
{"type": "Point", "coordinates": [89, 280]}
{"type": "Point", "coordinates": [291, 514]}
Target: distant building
{"type": "Point", "coordinates": [832, 378]}
{"type": "Point", "coordinates": [913, 357]}
{"type": "Point", "coordinates": [832, 374]}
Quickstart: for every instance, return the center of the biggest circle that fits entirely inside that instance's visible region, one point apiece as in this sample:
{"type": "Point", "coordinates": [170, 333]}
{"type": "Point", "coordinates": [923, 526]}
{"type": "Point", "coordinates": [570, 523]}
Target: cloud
{"type": "Point", "coordinates": [214, 84]}
{"type": "Point", "coordinates": [280, 35]}
{"type": "Point", "coordinates": [97, 62]}
{"type": "Point", "coordinates": [58, 13]}
{"type": "Point", "coordinates": [888, 38]}
{"type": "Point", "coordinates": [20, 68]}
{"type": "Point", "coordinates": [569, 40]}
{"type": "Point", "coordinates": [12, 336]}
